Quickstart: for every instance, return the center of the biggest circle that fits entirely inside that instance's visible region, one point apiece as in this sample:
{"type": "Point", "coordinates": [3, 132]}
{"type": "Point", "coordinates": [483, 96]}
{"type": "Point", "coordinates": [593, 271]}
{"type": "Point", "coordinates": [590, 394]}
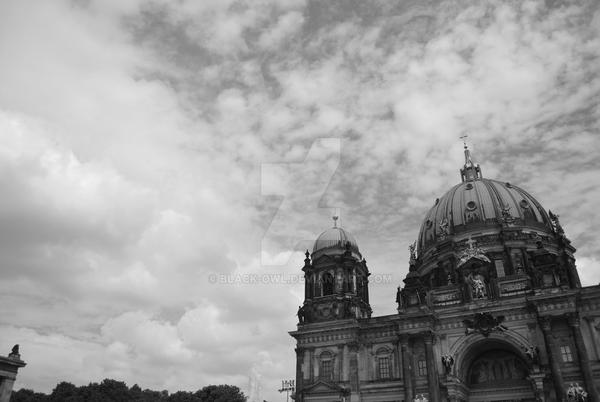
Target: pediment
{"type": "Point", "coordinates": [323, 387]}
{"type": "Point", "coordinates": [474, 258]}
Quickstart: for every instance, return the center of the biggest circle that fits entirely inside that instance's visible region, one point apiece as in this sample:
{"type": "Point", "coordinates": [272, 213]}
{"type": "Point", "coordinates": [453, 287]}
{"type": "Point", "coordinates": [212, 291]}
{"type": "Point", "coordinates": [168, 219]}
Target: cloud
{"type": "Point", "coordinates": [286, 25]}
{"type": "Point", "coordinates": [135, 139]}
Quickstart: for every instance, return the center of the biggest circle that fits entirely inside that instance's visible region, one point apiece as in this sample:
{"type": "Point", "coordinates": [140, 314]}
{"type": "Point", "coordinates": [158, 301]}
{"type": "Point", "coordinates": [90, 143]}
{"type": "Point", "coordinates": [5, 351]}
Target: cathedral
{"type": "Point", "coordinates": [492, 309]}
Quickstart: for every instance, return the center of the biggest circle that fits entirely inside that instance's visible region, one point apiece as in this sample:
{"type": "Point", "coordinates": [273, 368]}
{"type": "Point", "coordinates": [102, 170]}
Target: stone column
{"type": "Point", "coordinates": [6, 386]}
{"type": "Point", "coordinates": [346, 357]}
{"type": "Point", "coordinates": [559, 386]}
{"type": "Point", "coordinates": [312, 366]}
{"type": "Point", "coordinates": [594, 334]}
{"type": "Point", "coordinates": [407, 370]}
{"type": "Point", "coordinates": [340, 364]}
{"type": "Point", "coordinates": [338, 286]}
{"type": "Point", "coordinates": [299, 371]}
{"type": "Point", "coordinates": [354, 380]}
{"type": "Point", "coordinates": [584, 361]}
{"type": "Point", "coordinates": [367, 288]}
{"type": "Point", "coordinates": [306, 286]}
{"type": "Point", "coordinates": [9, 366]}
{"type": "Point", "coordinates": [398, 361]}
{"type": "Point", "coordinates": [432, 375]}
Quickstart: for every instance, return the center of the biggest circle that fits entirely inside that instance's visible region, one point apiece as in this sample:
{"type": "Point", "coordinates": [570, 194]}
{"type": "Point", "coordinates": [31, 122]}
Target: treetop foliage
{"type": "Point", "coordinates": [117, 391]}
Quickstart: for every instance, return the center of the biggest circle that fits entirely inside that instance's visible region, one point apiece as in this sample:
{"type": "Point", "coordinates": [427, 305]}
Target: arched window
{"type": "Point", "coordinates": [327, 280]}
{"type": "Point", "coordinates": [383, 363]}
{"type": "Point", "coordinates": [360, 287]}
{"type": "Point", "coordinates": [326, 361]}
{"type": "Point", "coordinates": [422, 367]}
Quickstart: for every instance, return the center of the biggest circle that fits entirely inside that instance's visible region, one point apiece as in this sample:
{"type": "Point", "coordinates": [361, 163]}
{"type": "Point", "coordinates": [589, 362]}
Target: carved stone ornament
{"type": "Point", "coordinates": [472, 251]}
{"type": "Point", "coordinates": [556, 224]}
{"type": "Point", "coordinates": [421, 398]}
{"type": "Point", "coordinates": [444, 229]}
{"type": "Point", "coordinates": [484, 323]}
{"type": "Point", "coordinates": [399, 300]}
{"type": "Point", "coordinates": [477, 283]}
{"type": "Point", "coordinates": [301, 315]}
{"type": "Point", "coordinates": [448, 362]}
{"type": "Point", "coordinates": [576, 393]}
{"type": "Point", "coordinates": [506, 219]}
{"type": "Point", "coordinates": [14, 353]}
{"type": "Point", "coordinates": [532, 353]}
{"type": "Point", "coordinates": [413, 253]}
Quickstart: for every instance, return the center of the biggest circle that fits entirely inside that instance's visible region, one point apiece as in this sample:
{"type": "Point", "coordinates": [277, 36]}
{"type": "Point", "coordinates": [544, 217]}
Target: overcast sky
{"type": "Point", "coordinates": [154, 152]}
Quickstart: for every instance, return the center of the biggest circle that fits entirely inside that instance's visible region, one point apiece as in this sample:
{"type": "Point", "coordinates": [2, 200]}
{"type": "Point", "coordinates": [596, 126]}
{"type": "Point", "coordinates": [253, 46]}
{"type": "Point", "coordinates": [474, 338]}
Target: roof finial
{"type": "Point", "coordinates": [470, 171]}
{"type": "Point", "coordinates": [468, 161]}
{"type": "Point", "coordinates": [336, 217]}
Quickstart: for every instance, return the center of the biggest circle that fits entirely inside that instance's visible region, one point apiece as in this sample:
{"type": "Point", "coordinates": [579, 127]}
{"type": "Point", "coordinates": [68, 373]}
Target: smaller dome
{"type": "Point", "coordinates": [334, 241]}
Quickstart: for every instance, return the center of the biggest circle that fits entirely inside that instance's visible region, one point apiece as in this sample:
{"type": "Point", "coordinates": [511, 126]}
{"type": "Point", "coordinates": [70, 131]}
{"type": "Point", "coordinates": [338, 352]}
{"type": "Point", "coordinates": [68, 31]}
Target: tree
{"type": "Point", "coordinates": [28, 395]}
{"type": "Point", "coordinates": [65, 392]}
{"type": "Point", "coordinates": [154, 396]}
{"type": "Point", "coordinates": [183, 396]}
{"type": "Point", "coordinates": [114, 391]}
{"type": "Point", "coordinates": [220, 393]}
{"type": "Point", "coordinates": [117, 391]}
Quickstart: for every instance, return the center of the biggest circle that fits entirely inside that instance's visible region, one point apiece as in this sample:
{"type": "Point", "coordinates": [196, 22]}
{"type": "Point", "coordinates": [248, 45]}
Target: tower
{"type": "Point", "coordinates": [336, 279]}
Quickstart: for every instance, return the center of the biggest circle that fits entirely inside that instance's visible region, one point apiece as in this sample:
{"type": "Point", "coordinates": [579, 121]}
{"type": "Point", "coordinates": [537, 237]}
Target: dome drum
{"type": "Point", "coordinates": [486, 239]}
{"type": "Point", "coordinates": [492, 241]}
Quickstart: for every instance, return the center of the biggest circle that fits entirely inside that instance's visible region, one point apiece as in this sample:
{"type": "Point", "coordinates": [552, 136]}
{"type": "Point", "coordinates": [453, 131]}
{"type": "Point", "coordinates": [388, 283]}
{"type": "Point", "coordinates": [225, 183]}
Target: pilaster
{"type": "Point", "coordinates": [354, 379]}
{"type": "Point", "coordinates": [407, 369]}
{"type": "Point", "coordinates": [299, 367]}
{"type": "Point", "coordinates": [432, 374]}
{"type": "Point", "coordinates": [546, 324]}
{"type": "Point", "coordinates": [584, 362]}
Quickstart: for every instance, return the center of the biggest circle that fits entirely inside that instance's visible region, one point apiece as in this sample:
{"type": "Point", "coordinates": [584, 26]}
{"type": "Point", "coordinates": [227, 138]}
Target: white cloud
{"type": "Point", "coordinates": [287, 25]}
{"type": "Point", "coordinates": [134, 138]}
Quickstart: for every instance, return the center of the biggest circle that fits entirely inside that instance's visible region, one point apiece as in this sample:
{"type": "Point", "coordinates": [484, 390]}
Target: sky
{"type": "Point", "coordinates": [163, 164]}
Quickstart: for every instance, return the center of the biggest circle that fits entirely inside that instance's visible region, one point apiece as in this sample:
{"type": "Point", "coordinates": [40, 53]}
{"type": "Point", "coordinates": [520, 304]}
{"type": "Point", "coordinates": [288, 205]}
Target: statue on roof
{"type": "Point", "coordinates": [412, 249]}
{"type": "Point", "coordinates": [15, 351]}
{"type": "Point", "coordinates": [556, 224]}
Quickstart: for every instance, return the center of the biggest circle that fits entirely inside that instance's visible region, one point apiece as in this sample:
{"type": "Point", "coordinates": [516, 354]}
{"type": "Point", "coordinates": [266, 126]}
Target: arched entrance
{"type": "Point", "coordinates": [495, 370]}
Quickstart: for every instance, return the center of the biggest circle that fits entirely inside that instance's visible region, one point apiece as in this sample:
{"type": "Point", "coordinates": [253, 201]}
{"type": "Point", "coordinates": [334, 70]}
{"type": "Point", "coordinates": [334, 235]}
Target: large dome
{"type": "Point", "coordinates": [479, 207]}
{"type": "Point", "coordinates": [477, 204]}
{"type": "Point", "coordinates": [335, 241]}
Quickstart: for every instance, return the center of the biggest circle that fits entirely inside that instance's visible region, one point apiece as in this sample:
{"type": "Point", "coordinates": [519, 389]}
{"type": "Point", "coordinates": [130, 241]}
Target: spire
{"type": "Point", "coordinates": [336, 217]}
{"type": "Point", "coordinates": [468, 161]}
{"type": "Point", "coordinates": [470, 170]}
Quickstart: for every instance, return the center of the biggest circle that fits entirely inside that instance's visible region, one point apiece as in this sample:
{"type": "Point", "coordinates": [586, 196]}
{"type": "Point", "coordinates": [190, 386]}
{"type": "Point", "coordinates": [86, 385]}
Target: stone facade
{"type": "Point", "coordinates": [8, 372]}
{"type": "Point", "coordinates": [491, 309]}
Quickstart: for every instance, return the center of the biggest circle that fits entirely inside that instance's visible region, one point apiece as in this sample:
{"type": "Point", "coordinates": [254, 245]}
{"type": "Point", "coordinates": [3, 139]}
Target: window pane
{"type": "Point", "coordinates": [566, 354]}
{"type": "Point", "coordinates": [384, 367]}
{"type": "Point", "coordinates": [327, 369]}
